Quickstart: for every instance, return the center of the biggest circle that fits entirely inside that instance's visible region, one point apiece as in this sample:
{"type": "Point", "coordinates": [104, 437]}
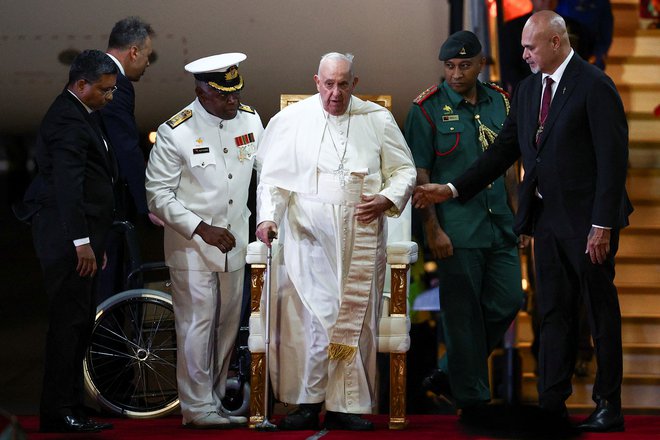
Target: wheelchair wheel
{"type": "Point", "coordinates": [130, 365]}
{"type": "Point", "coordinates": [237, 397]}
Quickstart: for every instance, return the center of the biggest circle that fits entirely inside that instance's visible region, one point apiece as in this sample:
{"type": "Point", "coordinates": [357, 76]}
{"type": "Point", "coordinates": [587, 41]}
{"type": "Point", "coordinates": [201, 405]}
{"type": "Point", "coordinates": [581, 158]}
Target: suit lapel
{"type": "Point", "coordinates": [95, 123]}
{"type": "Point", "coordinates": [566, 86]}
{"type": "Point", "coordinates": [535, 107]}
{"type": "Point", "coordinates": [111, 160]}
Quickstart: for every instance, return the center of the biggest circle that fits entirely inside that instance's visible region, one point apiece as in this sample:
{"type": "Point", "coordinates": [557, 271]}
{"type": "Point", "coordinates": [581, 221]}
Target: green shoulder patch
{"type": "Point", "coordinates": [246, 108]}
{"type": "Point", "coordinates": [426, 94]}
{"type": "Point", "coordinates": [179, 118]}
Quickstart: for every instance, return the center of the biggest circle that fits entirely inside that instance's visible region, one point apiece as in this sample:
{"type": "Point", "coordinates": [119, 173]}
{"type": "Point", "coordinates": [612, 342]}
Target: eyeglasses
{"type": "Point", "coordinates": [110, 91]}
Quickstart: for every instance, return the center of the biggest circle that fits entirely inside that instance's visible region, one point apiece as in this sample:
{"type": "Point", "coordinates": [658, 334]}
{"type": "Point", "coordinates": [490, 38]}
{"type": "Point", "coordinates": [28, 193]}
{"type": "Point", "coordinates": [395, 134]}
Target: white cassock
{"type": "Point", "coordinates": [330, 273]}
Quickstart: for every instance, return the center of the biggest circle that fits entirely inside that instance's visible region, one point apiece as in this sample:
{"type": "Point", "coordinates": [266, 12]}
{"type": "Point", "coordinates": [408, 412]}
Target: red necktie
{"type": "Point", "coordinates": [545, 106]}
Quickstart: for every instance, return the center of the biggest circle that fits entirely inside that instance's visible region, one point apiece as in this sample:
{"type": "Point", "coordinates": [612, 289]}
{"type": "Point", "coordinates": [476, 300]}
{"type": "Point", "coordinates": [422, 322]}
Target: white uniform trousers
{"type": "Point", "coordinates": [207, 309]}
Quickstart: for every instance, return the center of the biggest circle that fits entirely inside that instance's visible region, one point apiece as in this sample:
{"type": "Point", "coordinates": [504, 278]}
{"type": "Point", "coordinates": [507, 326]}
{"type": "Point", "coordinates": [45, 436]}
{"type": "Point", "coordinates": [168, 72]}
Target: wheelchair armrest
{"type": "Point", "coordinates": [402, 252]}
{"type": "Point", "coordinates": [256, 253]}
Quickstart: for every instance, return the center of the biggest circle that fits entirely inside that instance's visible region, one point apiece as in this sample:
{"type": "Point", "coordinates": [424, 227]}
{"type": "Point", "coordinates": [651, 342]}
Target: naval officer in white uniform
{"type": "Point", "coordinates": [197, 182]}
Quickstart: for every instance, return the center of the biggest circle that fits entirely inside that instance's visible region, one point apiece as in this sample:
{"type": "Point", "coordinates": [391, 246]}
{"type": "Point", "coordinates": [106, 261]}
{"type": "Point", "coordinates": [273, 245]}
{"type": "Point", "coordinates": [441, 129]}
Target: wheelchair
{"type": "Point", "coordinates": [130, 364]}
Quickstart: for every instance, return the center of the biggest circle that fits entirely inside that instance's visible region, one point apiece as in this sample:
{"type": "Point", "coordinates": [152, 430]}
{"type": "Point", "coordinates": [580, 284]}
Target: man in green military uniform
{"type": "Point", "coordinates": [448, 127]}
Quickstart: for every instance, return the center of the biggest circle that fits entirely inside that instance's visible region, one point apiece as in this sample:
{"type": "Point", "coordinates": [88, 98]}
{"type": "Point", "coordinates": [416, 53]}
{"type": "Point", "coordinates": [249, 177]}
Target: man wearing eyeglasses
{"type": "Point", "coordinates": [71, 207]}
{"type": "Point", "coordinates": [198, 177]}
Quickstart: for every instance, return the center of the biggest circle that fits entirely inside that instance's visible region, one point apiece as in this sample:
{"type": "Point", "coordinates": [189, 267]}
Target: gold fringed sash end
{"type": "Point", "coordinates": [341, 352]}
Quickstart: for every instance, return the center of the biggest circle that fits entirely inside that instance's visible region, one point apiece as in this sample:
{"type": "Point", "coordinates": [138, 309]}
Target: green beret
{"type": "Point", "coordinates": [461, 44]}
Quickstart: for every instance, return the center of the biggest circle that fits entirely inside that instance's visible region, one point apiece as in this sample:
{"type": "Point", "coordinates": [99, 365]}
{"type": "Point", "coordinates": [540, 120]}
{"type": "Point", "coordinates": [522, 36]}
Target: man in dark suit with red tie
{"type": "Point", "coordinates": [572, 200]}
{"type": "Point", "coordinates": [71, 207]}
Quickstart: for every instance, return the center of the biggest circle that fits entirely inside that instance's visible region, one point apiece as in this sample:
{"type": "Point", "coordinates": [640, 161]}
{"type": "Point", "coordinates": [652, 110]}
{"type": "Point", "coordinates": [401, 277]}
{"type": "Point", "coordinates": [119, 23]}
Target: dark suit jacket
{"type": "Point", "coordinates": [579, 165]}
{"type": "Point", "coordinates": [73, 189]}
{"type": "Point", "coordinates": [118, 116]}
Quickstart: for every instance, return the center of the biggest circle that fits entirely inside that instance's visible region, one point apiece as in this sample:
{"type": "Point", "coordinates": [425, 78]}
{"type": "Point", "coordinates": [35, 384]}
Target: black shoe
{"type": "Point", "coordinates": [82, 413]}
{"type": "Point", "coordinates": [607, 417]}
{"type": "Point", "coordinates": [67, 424]}
{"type": "Point", "coordinates": [305, 417]}
{"type": "Point", "coordinates": [346, 421]}
{"type": "Point", "coordinates": [101, 425]}
{"type": "Point", "coordinates": [438, 384]}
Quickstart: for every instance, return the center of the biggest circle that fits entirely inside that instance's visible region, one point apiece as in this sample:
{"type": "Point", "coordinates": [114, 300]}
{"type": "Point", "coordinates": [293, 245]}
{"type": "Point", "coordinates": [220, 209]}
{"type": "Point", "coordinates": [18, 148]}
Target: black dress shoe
{"type": "Point", "coordinates": [67, 424]}
{"type": "Point", "coordinates": [82, 413]}
{"type": "Point", "coordinates": [101, 425]}
{"type": "Point", "coordinates": [346, 421]}
{"type": "Point", "coordinates": [607, 417]}
{"type": "Point", "coordinates": [438, 384]}
{"type": "Point", "coordinates": [305, 417]}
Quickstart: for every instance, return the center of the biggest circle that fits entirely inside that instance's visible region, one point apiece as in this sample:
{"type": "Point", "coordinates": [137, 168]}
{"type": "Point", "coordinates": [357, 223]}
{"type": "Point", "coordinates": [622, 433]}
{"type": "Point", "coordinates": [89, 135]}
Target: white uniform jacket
{"type": "Point", "coordinates": [199, 170]}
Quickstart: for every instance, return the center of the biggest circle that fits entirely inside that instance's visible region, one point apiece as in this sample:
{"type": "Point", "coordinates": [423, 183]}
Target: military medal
{"type": "Point", "coordinates": [245, 144]}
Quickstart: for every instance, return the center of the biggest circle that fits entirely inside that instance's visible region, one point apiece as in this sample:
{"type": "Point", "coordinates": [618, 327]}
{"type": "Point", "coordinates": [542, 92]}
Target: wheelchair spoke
{"type": "Point", "coordinates": [132, 358]}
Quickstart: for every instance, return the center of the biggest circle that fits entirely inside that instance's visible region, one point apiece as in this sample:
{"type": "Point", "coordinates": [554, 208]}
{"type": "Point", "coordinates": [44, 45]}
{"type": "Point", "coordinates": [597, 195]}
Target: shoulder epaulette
{"type": "Point", "coordinates": [501, 91]}
{"type": "Point", "coordinates": [498, 89]}
{"type": "Point", "coordinates": [246, 108]}
{"type": "Point", "coordinates": [426, 94]}
{"type": "Point", "coordinates": [179, 118]}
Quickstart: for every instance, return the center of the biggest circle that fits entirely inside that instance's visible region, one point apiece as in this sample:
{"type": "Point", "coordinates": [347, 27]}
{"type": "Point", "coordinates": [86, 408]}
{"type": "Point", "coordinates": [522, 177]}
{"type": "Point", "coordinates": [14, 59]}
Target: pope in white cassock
{"type": "Point", "coordinates": [332, 167]}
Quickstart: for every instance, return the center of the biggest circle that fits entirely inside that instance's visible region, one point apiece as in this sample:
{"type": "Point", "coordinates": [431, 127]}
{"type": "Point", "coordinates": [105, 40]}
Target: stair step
{"type": "Point", "coordinates": [626, 17]}
{"type": "Point", "coordinates": [646, 216]}
{"type": "Point", "coordinates": [644, 154]}
{"type": "Point", "coordinates": [634, 70]}
{"type": "Point", "coordinates": [644, 184]}
{"type": "Point", "coordinates": [644, 127]}
{"type": "Point", "coordinates": [640, 330]}
{"type": "Point", "coordinates": [640, 274]}
{"type": "Point", "coordinates": [636, 391]}
{"type": "Point", "coordinates": [638, 359]}
{"type": "Point", "coordinates": [643, 42]}
{"type": "Point", "coordinates": [640, 301]}
{"type": "Point", "coordinates": [639, 97]}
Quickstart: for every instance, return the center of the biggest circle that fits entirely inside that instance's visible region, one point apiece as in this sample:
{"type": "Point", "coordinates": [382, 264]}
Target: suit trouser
{"type": "Point", "coordinates": [566, 276]}
{"type": "Point", "coordinates": [480, 295]}
{"type": "Point", "coordinates": [207, 314]}
{"type": "Point", "coordinates": [71, 311]}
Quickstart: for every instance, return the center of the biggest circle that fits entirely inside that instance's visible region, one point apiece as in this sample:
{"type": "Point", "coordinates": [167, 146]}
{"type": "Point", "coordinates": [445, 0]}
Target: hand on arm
{"type": "Point", "coordinates": [437, 240]}
{"type": "Point", "coordinates": [430, 194]}
{"type": "Point", "coordinates": [372, 207]}
{"type": "Point", "coordinates": [86, 261]}
{"type": "Point", "coordinates": [155, 220]}
{"type": "Point", "coordinates": [216, 236]}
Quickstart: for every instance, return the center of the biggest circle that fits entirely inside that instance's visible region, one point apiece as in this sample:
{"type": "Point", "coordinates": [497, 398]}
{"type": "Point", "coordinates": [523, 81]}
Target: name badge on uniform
{"type": "Point", "coordinates": [201, 150]}
{"type": "Point", "coordinates": [245, 145]}
{"type": "Point", "coordinates": [449, 118]}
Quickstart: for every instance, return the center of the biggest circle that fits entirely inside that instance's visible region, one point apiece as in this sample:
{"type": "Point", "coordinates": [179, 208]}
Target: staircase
{"type": "Point", "coordinates": [634, 65]}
